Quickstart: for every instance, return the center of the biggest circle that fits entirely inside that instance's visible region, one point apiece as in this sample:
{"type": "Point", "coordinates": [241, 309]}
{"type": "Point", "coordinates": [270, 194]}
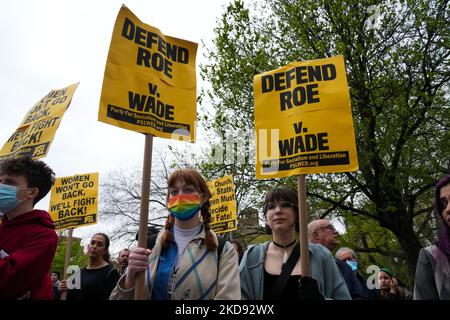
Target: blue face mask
{"type": "Point", "coordinates": [352, 264]}
{"type": "Point", "coordinates": [8, 198]}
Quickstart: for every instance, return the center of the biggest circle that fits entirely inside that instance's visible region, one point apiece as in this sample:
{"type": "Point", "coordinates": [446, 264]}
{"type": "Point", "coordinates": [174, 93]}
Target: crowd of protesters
{"type": "Point", "coordinates": [187, 260]}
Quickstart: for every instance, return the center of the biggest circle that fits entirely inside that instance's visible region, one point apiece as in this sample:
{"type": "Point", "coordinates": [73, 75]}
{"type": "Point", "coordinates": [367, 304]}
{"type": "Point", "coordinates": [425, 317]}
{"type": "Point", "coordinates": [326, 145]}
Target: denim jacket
{"type": "Point", "coordinates": [323, 269]}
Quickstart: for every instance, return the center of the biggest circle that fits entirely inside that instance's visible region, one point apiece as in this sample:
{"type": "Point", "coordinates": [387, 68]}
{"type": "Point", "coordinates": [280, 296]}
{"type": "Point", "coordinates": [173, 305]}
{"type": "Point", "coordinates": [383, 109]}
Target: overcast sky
{"type": "Point", "coordinates": [51, 44]}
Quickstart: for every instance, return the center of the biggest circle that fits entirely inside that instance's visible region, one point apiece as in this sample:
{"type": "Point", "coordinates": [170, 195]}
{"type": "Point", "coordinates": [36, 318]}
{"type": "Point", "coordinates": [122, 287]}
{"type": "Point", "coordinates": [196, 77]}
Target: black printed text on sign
{"type": "Point", "coordinates": [149, 84]}
{"type": "Point", "coordinates": [303, 120]}
{"type": "Point", "coordinates": [223, 205]}
{"type": "Point", "coordinates": [37, 130]}
{"type": "Point", "coordinates": [74, 201]}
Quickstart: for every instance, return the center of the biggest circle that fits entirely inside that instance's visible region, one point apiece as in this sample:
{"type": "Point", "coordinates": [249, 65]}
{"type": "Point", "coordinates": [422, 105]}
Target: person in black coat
{"type": "Point", "coordinates": [98, 278]}
{"type": "Point", "coordinates": [349, 256]}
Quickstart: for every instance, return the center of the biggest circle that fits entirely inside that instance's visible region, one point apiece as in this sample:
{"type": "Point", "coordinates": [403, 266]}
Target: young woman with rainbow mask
{"type": "Point", "coordinates": [184, 263]}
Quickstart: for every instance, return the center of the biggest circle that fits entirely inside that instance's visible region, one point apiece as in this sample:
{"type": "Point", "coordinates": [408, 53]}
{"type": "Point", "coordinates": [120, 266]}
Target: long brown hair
{"type": "Point", "coordinates": [106, 256]}
{"type": "Point", "coordinates": [192, 177]}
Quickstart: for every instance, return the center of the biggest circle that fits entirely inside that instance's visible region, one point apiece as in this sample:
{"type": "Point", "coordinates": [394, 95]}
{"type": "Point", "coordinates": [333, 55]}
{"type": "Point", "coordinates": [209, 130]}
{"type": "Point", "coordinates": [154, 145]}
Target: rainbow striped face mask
{"type": "Point", "coordinates": [184, 206]}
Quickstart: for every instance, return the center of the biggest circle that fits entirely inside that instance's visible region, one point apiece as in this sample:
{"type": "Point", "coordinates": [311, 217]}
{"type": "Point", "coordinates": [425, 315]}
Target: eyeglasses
{"type": "Point", "coordinates": [330, 226]}
{"type": "Point", "coordinates": [281, 204]}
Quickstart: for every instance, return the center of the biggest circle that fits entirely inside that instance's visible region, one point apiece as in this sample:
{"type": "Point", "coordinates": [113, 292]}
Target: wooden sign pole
{"type": "Point", "coordinates": [303, 221]}
{"type": "Point", "coordinates": [139, 293]}
{"type": "Point", "coordinates": [67, 260]}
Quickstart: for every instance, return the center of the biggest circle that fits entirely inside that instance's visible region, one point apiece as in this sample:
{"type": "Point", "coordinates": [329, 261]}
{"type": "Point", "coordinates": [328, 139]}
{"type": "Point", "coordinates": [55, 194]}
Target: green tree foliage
{"type": "Point", "coordinates": [77, 256]}
{"type": "Point", "coordinates": [239, 53]}
{"type": "Point", "coordinates": [397, 60]}
{"type": "Point", "coordinates": [376, 246]}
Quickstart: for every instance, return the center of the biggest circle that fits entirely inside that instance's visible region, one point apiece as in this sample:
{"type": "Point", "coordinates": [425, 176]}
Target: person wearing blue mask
{"type": "Point", "coordinates": [188, 261]}
{"type": "Point", "coordinates": [27, 237]}
{"type": "Point", "coordinates": [349, 256]}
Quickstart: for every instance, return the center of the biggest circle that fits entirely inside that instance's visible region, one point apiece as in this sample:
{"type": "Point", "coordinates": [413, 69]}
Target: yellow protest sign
{"type": "Point", "coordinates": [74, 201]}
{"type": "Point", "coordinates": [149, 84]}
{"type": "Point", "coordinates": [223, 205]}
{"type": "Point", "coordinates": [303, 120]}
{"type": "Point", "coordinates": [37, 130]}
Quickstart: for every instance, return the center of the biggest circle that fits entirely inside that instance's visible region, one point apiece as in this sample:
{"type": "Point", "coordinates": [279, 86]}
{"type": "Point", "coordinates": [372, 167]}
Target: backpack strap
{"type": "Point", "coordinates": [286, 271]}
{"type": "Point", "coordinates": [220, 247]}
{"type": "Point", "coordinates": [219, 251]}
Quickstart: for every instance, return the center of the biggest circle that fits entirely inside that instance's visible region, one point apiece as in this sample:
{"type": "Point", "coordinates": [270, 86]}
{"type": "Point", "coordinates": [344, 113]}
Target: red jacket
{"type": "Point", "coordinates": [29, 242]}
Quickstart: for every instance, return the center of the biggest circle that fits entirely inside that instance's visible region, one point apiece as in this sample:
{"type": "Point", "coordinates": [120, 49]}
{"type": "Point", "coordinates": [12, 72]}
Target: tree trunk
{"type": "Point", "coordinates": [411, 246]}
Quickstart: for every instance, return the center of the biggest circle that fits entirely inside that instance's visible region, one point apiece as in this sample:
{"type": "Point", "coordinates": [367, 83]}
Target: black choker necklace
{"type": "Point", "coordinates": [284, 246]}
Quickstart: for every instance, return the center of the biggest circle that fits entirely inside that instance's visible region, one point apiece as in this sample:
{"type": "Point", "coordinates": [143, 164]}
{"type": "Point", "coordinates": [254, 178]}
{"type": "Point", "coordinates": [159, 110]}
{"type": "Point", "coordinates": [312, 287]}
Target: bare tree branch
{"type": "Point", "coordinates": [342, 206]}
{"type": "Point", "coordinates": [382, 252]}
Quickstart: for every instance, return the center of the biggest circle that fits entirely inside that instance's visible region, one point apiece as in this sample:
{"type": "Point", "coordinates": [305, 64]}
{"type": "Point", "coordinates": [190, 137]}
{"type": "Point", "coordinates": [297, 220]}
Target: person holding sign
{"type": "Point", "coordinates": [272, 270]}
{"type": "Point", "coordinates": [433, 266]}
{"type": "Point", "coordinates": [188, 261]}
{"type": "Point", "coordinates": [97, 280]}
{"type": "Point", "coordinates": [27, 237]}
